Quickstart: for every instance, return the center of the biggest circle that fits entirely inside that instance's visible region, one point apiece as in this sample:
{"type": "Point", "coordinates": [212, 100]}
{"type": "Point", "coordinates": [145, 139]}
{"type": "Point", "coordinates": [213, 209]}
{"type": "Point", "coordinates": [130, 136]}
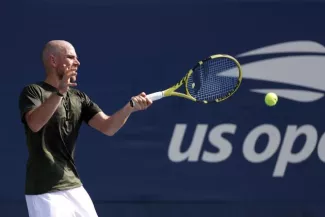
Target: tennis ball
{"type": "Point", "coordinates": [271, 99]}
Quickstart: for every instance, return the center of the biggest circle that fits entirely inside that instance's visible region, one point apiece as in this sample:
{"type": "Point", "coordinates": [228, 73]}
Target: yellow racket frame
{"type": "Point", "coordinates": [172, 90]}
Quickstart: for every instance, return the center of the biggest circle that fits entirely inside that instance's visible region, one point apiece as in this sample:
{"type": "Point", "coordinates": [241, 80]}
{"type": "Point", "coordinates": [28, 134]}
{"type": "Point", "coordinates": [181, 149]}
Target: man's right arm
{"type": "Point", "coordinates": [36, 113]}
{"type": "Point", "coordinates": [39, 116]}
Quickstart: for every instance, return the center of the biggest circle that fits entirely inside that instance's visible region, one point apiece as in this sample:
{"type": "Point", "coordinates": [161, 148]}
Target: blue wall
{"type": "Point", "coordinates": [254, 160]}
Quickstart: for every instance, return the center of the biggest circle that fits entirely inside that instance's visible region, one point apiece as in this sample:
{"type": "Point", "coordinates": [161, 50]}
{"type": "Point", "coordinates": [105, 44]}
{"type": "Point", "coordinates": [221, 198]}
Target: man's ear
{"type": "Point", "coordinates": [53, 60]}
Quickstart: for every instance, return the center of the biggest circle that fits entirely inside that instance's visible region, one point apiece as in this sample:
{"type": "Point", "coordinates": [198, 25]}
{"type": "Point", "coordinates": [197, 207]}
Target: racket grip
{"type": "Point", "coordinates": [156, 96]}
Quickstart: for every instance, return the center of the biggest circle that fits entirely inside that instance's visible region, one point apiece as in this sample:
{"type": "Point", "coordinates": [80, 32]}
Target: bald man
{"type": "Point", "coordinates": [52, 112]}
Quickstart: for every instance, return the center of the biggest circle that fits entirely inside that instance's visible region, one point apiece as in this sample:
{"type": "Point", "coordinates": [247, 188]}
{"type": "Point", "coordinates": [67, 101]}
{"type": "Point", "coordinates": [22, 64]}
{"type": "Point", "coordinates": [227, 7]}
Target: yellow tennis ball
{"type": "Point", "coordinates": [271, 99]}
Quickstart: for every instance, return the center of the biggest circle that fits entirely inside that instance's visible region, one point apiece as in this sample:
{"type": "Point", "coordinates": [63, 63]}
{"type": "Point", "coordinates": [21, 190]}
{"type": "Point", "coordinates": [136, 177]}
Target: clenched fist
{"type": "Point", "coordinates": [65, 82]}
{"type": "Point", "coordinates": [140, 102]}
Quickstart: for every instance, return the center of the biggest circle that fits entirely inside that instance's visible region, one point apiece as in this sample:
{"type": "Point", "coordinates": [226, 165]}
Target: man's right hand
{"type": "Point", "coordinates": [65, 82]}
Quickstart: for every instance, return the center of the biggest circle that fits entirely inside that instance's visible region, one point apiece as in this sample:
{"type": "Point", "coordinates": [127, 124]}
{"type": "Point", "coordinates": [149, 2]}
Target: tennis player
{"type": "Point", "coordinates": [52, 112]}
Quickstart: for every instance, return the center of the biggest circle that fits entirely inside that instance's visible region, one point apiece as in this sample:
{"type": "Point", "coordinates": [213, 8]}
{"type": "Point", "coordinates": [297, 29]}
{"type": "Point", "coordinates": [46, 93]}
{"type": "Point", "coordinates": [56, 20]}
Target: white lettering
{"type": "Point", "coordinates": [274, 139]}
{"type": "Point", "coordinates": [193, 152]}
{"type": "Point", "coordinates": [216, 139]}
{"type": "Point", "coordinates": [286, 156]}
{"type": "Point", "coordinates": [321, 148]}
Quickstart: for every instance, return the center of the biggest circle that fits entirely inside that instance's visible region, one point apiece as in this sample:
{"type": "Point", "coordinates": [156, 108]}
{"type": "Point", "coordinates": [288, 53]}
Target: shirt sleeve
{"type": "Point", "coordinates": [30, 98]}
{"type": "Point", "coordinates": [89, 108]}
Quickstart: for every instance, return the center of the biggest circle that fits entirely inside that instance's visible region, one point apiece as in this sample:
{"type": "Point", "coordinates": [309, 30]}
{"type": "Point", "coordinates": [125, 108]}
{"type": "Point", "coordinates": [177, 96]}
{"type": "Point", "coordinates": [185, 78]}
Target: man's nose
{"type": "Point", "coordinates": [77, 62]}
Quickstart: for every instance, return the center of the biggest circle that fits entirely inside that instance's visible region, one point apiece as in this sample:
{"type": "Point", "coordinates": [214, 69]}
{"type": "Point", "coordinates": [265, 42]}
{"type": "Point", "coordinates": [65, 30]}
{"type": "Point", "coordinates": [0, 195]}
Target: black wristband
{"type": "Point", "coordinates": [59, 94]}
{"type": "Point", "coordinates": [131, 103]}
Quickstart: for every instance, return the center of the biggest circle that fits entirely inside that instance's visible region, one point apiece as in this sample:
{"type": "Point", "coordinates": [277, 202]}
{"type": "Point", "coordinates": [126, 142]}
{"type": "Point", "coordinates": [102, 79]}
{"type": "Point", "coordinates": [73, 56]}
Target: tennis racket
{"type": "Point", "coordinates": [213, 79]}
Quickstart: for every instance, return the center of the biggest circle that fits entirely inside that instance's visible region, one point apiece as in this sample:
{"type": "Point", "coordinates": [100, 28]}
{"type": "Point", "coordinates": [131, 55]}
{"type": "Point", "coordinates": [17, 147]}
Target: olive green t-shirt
{"type": "Point", "coordinates": [51, 166]}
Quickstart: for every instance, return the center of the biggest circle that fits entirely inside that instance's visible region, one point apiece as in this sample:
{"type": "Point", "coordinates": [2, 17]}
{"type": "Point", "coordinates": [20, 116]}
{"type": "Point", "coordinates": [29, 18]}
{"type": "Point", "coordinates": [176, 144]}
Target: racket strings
{"type": "Point", "coordinates": [214, 79]}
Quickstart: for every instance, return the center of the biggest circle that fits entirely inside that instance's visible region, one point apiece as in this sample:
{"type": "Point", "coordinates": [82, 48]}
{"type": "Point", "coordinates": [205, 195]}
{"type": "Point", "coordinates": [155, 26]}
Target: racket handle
{"type": "Point", "coordinates": [155, 96]}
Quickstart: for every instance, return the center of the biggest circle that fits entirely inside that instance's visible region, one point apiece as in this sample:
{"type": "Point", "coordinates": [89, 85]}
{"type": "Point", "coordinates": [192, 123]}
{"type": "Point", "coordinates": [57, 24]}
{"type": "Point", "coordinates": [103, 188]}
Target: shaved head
{"type": "Point", "coordinates": [57, 55]}
{"type": "Point", "coordinates": [54, 48]}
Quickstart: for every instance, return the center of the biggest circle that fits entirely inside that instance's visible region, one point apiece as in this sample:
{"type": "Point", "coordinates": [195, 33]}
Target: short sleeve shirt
{"type": "Point", "coordinates": [51, 166]}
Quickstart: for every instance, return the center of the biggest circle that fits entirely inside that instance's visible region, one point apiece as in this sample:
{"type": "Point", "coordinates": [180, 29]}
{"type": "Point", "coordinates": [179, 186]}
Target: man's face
{"type": "Point", "coordinates": [69, 58]}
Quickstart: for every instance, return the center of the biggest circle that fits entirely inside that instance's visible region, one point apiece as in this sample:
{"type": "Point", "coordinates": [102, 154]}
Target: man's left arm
{"type": "Point", "coordinates": [109, 125]}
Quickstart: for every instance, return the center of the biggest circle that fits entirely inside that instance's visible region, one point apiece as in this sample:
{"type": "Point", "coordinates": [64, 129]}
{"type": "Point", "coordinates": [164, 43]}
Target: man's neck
{"type": "Point", "coordinates": [53, 81]}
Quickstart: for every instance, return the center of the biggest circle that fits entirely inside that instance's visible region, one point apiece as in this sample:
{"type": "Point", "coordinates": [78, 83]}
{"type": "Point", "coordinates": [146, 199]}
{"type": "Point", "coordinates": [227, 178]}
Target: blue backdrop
{"type": "Point", "coordinates": [237, 158]}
